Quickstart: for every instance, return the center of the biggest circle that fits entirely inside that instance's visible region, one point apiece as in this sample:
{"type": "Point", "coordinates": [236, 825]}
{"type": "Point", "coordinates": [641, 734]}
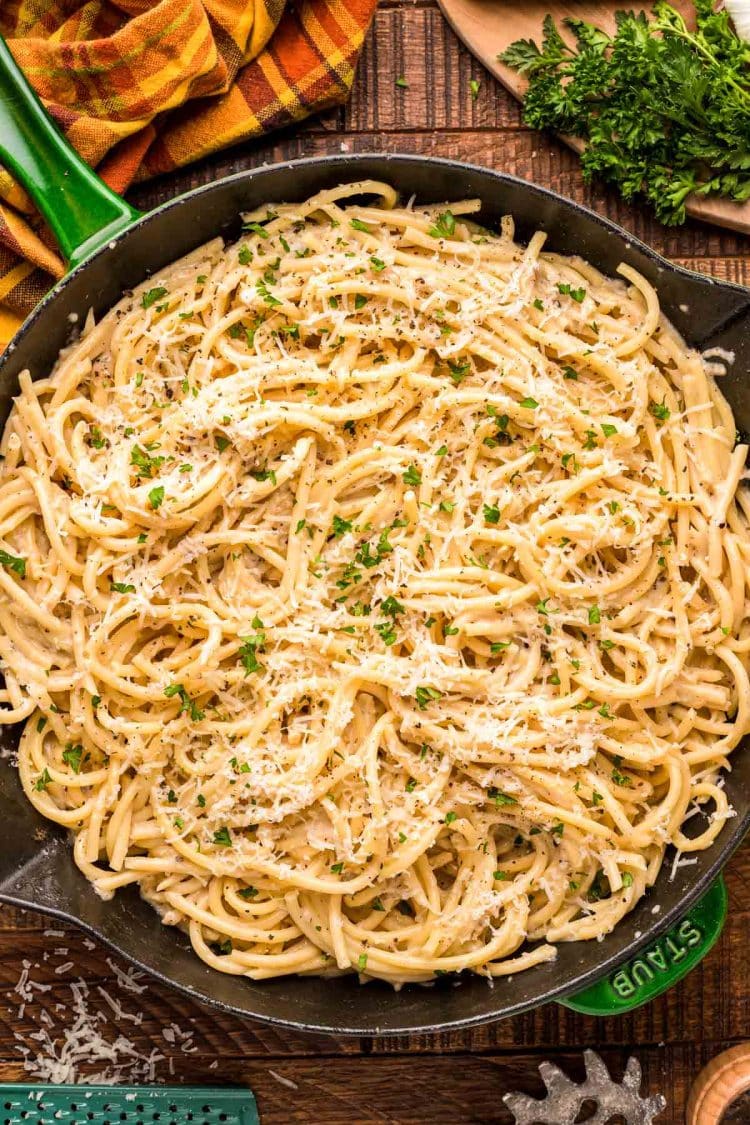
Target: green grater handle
{"type": "Point", "coordinates": [130, 1105]}
{"type": "Point", "coordinates": [81, 210]}
{"type": "Point", "coordinates": [661, 964]}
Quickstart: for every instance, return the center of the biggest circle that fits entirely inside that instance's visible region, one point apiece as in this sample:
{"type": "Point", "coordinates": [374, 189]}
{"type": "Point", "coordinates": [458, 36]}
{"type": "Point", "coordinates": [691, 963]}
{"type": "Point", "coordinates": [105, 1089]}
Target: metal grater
{"type": "Point", "coordinates": [126, 1105]}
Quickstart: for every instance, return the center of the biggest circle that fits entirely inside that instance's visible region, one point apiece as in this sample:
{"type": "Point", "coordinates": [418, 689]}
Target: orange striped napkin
{"type": "Point", "coordinates": [143, 87]}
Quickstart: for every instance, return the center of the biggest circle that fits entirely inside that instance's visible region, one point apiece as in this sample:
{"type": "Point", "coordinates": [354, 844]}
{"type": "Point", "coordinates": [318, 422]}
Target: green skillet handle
{"type": "Point", "coordinates": [660, 965]}
{"type": "Point", "coordinates": [81, 210]}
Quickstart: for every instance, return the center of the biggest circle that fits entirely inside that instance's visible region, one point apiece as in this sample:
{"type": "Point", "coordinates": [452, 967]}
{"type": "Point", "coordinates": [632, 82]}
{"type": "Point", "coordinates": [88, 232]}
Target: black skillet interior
{"type": "Point", "coordinates": [36, 867]}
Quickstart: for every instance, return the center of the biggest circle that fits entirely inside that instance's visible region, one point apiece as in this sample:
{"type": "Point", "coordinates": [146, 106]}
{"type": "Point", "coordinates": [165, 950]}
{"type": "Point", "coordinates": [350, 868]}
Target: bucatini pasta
{"type": "Point", "coordinates": [374, 593]}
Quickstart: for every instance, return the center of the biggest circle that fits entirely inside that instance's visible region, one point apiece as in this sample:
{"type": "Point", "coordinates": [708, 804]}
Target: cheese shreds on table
{"type": "Point", "coordinates": [374, 593]}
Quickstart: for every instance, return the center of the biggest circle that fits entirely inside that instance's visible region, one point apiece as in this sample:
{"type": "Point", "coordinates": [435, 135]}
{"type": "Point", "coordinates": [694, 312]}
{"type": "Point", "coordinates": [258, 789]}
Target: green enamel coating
{"type": "Point", "coordinates": [661, 964]}
{"type": "Point", "coordinates": [82, 212]}
{"type": "Point", "coordinates": [34, 1104]}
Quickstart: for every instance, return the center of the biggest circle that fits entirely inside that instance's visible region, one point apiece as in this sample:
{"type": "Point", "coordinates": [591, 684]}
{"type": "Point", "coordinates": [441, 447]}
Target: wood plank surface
{"type": "Point", "coordinates": [457, 1077]}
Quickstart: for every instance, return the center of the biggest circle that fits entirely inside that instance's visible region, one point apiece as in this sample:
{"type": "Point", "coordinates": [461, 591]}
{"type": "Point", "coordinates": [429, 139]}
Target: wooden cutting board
{"type": "Point", "coordinates": [487, 27]}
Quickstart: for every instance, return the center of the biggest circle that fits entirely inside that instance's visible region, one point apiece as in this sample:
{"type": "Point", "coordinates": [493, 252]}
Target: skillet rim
{"type": "Point", "coordinates": [350, 164]}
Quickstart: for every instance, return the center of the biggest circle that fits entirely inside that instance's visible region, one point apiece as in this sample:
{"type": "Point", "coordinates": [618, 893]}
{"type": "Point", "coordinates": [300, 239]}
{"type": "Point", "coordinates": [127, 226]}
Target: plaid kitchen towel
{"type": "Point", "coordinates": [142, 87]}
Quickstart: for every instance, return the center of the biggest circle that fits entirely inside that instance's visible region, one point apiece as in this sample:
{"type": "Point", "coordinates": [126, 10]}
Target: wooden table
{"type": "Point", "coordinates": [457, 1077]}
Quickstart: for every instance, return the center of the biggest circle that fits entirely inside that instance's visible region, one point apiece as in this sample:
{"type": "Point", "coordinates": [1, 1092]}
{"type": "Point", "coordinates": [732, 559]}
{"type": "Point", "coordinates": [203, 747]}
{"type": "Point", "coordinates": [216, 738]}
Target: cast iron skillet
{"type": "Point", "coordinates": [36, 866]}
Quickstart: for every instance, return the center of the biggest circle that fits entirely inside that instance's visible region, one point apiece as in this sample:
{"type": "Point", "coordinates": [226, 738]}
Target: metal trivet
{"type": "Point", "coordinates": [565, 1099]}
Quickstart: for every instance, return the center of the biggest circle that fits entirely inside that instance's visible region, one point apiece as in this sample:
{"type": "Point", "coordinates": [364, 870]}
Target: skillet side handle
{"type": "Point", "coordinates": [81, 210]}
{"type": "Point", "coordinates": [659, 965]}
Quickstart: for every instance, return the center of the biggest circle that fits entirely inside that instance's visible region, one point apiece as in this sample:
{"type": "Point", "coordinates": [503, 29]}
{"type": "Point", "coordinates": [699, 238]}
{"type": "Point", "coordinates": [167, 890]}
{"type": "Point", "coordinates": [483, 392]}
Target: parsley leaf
{"type": "Point", "coordinates": [574, 294]}
{"type": "Point", "coordinates": [156, 497]}
{"type": "Point", "coordinates": [151, 296]}
{"type": "Point", "coordinates": [425, 695]}
{"type": "Point", "coordinates": [186, 703]}
{"type": "Point", "coordinates": [444, 226]}
{"type": "Point", "coordinates": [664, 110]}
{"type": "Point", "coordinates": [13, 562]}
{"type": "Point", "coordinates": [122, 587]}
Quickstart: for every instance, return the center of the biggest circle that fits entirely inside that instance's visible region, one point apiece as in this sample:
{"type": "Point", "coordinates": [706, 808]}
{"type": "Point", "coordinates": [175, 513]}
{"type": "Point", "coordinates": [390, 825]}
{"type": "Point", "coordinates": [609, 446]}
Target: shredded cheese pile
{"type": "Point", "coordinates": [374, 592]}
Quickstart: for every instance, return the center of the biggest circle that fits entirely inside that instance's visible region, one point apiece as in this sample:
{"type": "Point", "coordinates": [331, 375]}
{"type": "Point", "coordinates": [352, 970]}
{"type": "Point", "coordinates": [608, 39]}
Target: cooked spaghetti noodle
{"type": "Point", "coordinates": [374, 593]}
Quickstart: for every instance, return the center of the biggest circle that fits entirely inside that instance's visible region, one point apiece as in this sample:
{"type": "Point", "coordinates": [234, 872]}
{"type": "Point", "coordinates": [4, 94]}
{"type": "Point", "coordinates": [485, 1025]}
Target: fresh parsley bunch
{"type": "Point", "coordinates": [664, 111]}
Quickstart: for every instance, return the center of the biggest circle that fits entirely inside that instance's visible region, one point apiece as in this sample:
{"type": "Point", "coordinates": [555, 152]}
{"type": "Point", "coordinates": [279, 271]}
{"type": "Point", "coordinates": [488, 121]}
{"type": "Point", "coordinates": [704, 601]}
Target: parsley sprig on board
{"type": "Point", "coordinates": [664, 111]}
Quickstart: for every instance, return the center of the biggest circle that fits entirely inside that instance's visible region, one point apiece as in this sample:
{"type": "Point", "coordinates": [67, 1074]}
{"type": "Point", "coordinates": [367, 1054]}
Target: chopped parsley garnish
{"type": "Point", "coordinates": [444, 226]}
{"type": "Point", "coordinates": [474, 84]}
{"type": "Point", "coordinates": [186, 703]}
{"type": "Point", "coordinates": [251, 646]}
{"type": "Point", "coordinates": [145, 465]}
{"type": "Point", "coordinates": [360, 301]}
{"type": "Point", "coordinates": [245, 256]}
{"type": "Point", "coordinates": [13, 562]}
{"type": "Point", "coordinates": [570, 373]}
{"type": "Point", "coordinates": [200, 801]}
{"type": "Point", "coordinates": [608, 429]}
{"type": "Point", "coordinates": [627, 879]}
{"type": "Point", "coordinates": [412, 476]}
{"type": "Point", "coordinates": [221, 442]}
{"type": "Point", "coordinates": [659, 410]}
{"type": "Point", "coordinates": [595, 615]}
{"type": "Point", "coordinates": [95, 438]}
{"type": "Point", "coordinates": [43, 781]}
{"type": "Point", "coordinates": [529, 403]}
{"type": "Point", "coordinates": [73, 755]}
{"type": "Point", "coordinates": [458, 371]}
{"type": "Point", "coordinates": [223, 838]}
{"type": "Point", "coordinates": [122, 587]}
{"type": "Point", "coordinates": [340, 526]}
{"type": "Point", "coordinates": [264, 474]}
{"type": "Point", "coordinates": [441, 451]}
{"type": "Point", "coordinates": [387, 633]}
{"type": "Point", "coordinates": [156, 497]}
{"type": "Point", "coordinates": [377, 264]}
{"type": "Point", "coordinates": [491, 513]}
{"type": "Point", "coordinates": [391, 607]}
{"type": "Point", "coordinates": [498, 646]}
{"type": "Point", "coordinates": [357, 224]}
{"type": "Point", "coordinates": [337, 868]}
{"type": "Point", "coordinates": [267, 296]}
{"type": "Point", "coordinates": [248, 893]}
{"type": "Point", "coordinates": [425, 694]}
{"type": "Point", "coordinates": [151, 296]}
{"type": "Point", "coordinates": [362, 962]}
{"type": "Point", "coordinates": [366, 558]}
{"type": "Point", "coordinates": [450, 817]}
{"type": "Point", "coordinates": [567, 290]}
{"type": "Point", "coordinates": [256, 228]}
{"type": "Point", "coordinates": [402, 83]}
{"type": "Point", "coordinates": [501, 798]}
